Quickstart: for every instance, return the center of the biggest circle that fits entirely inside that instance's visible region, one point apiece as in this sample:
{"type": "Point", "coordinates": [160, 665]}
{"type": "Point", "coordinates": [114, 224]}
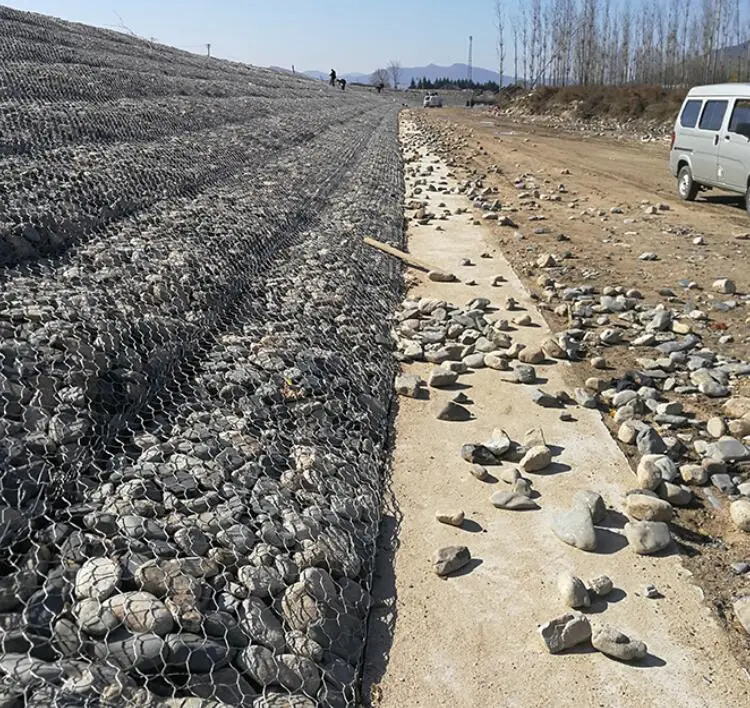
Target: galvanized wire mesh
{"type": "Point", "coordinates": [195, 374]}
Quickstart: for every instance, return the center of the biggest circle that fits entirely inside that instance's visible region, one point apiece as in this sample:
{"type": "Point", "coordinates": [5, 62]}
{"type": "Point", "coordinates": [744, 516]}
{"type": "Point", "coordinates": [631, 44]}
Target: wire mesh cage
{"type": "Point", "coordinates": [195, 374]}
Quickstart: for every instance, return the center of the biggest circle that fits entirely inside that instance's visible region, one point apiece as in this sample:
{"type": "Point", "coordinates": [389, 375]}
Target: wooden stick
{"type": "Point", "coordinates": [405, 257]}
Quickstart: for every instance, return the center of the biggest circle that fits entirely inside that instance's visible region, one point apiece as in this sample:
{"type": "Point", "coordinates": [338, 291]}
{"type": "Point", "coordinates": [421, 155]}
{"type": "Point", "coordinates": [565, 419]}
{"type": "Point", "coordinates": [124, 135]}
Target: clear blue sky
{"type": "Point", "coordinates": [350, 35]}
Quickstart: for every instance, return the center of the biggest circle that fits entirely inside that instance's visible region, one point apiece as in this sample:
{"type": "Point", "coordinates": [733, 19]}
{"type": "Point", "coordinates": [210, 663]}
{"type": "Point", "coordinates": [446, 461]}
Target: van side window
{"type": "Point", "coordinates": [713, 115]}
{"type": "Point", "coordinates": [690, 113]}
{"type": "Point", "coordinates": [740, 114]}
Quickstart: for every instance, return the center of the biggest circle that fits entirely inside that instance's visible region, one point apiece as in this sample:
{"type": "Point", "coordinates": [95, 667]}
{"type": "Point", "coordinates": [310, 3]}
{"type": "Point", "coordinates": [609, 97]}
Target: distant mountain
{"type": "Point", "coordinates": [431, 72]}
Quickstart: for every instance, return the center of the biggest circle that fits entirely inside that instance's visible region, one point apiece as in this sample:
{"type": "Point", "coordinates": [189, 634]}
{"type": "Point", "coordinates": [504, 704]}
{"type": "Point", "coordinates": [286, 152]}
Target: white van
{"type": "Point", "coordinates": [711, 141]}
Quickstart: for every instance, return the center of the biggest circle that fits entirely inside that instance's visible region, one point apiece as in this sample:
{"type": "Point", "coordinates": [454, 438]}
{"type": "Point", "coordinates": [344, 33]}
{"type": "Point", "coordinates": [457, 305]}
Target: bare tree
{"type": "Point", "coordinates": [379, 76]}
{"type": "Point", "coordinates": [670, 43]}
{"type": "Point", "coordinates": [525, 42]}
{"type": "Point", "coordinates": [514, 30]}
{"type": "Point", "coordinates": [500, 23]}
{"type": "Point", "coordinates": [394, 71]}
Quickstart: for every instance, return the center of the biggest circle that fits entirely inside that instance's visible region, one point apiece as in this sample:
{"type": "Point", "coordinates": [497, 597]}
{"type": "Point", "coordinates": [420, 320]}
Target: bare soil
{"type": "Point", "coordinates": [592, 176]}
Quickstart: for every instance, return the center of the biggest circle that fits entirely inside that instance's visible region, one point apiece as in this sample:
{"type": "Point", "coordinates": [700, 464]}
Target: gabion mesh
{"type": "Point", "coordinates": [195, 374]}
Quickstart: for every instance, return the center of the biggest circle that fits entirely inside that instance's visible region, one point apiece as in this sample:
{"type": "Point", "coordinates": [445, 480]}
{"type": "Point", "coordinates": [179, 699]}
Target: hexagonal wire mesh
{"type": "Point", "coordinates": [195, 378]}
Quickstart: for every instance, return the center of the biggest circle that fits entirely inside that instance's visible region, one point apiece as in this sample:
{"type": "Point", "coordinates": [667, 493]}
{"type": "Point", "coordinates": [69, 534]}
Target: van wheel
{"type": "Point", "coordinates": [686, 188]}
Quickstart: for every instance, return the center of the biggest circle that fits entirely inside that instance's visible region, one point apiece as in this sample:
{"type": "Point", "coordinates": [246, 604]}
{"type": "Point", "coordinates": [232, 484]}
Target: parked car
{"type": "Point", "coordinates": [432, 100]}
{"type": "Point", "coordinates": [711, 141]}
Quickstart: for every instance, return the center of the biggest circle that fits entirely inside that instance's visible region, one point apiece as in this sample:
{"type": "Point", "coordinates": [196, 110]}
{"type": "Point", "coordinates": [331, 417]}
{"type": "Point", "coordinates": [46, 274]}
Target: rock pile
{"type": "Point", "coordinates": [194, 374]}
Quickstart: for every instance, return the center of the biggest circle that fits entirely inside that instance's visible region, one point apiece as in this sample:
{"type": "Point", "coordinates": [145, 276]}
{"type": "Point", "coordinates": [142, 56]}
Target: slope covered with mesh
{"type": "Point", "coordinates": [195, 373]}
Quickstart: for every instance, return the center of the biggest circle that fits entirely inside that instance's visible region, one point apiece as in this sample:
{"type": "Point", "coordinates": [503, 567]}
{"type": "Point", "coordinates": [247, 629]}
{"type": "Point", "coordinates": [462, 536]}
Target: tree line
{"type": "Point", "coordinates": [445, 84]}
{"type": "Point", "coordinates": [607, 42]}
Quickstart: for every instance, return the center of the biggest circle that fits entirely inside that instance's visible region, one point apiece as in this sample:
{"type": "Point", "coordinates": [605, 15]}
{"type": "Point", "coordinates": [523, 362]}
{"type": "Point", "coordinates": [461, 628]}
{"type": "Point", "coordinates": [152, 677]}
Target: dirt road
{"type": "Point", "coordinates": [593, 176]}
{"type": "Point", "coordinates": [472, 640]}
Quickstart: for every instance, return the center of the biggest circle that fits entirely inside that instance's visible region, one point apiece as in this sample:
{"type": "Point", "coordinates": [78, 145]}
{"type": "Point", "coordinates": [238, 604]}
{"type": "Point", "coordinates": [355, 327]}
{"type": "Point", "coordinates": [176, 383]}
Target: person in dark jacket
{"type": "Point", "coordinates": [332, 77]}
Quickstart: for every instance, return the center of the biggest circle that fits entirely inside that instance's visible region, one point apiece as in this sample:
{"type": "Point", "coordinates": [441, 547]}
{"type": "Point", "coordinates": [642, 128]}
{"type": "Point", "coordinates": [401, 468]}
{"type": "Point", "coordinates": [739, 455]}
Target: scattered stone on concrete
{"type": "Point", "coordinates": [572, 591]}
{"type": "Point", "coordinates": [593, 502]}
{"type": "Point", "coordinates": [451, 518]}
{"type": "Point", "coordinates": [449, 559]}
{"type": "Point", "coordinates": [536, 459]}
{"type": "Point", "coordinates": [512, 500]}
{"type": "Point", "coordinates": [408, 385]}
{"type": "Point", "coordinates": [454, 412]}
{"type": "Point", "coordinates": [600, 586]}
{"type": "Point", "coordinates": [617, 645]}
{"type": "Point", "coordinates": [647, 537]}
{"type": "Point", "coordinates": [565, 632]}
{"type": "Point", "coordinates": [575, 528]}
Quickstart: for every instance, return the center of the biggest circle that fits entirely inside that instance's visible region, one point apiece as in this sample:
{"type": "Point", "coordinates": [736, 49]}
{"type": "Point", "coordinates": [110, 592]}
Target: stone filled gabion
{"type": "Point", "coordinates": [195, 373]}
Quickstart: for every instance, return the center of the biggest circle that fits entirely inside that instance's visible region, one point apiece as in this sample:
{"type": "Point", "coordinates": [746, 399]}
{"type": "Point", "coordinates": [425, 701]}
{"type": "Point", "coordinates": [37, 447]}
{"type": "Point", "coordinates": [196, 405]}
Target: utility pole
{"type": "Point", "coordinates": [208, 50]}
{"type": "Point", "coordinates": [469, 69]}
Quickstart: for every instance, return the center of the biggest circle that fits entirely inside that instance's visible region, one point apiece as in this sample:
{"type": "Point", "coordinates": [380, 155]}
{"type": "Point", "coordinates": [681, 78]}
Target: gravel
{"type": "Point", "coordinates": [195, 370]}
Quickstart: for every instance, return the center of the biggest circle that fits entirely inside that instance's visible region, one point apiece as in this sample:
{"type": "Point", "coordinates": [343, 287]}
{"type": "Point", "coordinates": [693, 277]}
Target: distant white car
{"type": "Point", "coordinates": [432, 100]}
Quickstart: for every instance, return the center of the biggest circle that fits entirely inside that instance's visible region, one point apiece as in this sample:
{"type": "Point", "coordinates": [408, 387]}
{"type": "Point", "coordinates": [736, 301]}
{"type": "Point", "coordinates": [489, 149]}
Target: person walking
{"type": "Point", "coordinates": [332, 77]}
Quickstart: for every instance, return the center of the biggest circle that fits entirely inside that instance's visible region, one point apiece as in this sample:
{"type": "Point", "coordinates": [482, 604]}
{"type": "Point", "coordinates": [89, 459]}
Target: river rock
{"type": "Point", "coordinates": [454, 412]}
{"type": "Point", "coordinates": [478, 454]}
{"type": "Point", "coordinates": [652, 469]}
{"type": "Point", "coordinates": [531, 355]}
{"type": "Point", "coordinates": [593, 502]}
{"type": "Point", "coordinates": [452, 518]}
{"type": "Point", "coordinates": [408, 385]}
{"type": "Point", "coordinates": [480, 473]}
{"type": "Point", "coordinates": [649, 442]}
{"type": "Point", "coordinates": [727, 450]}
{"type": "Point", "coordinates": [742, 612]}
{"type": "Point", "coordinates": [674, 494]}
{"type": "Point", "coordinates": [449, 559]}
{"type": "Point", "coordinates": [97, 579]}
{"type": "Point", "coordinates": [499, 443]}
{"type": "Point", "coordinates": [614, 643]}
{"type": "Point", "coordinates": [647, 537]}
{"type": "Point", "coordinates": [694, 474]}
{"type": "Point", "coordinates": [740, 513]}
{"type": "Point", "coordinates": [647, 508]}
{"type": "Point", "coordinates": [513, 500]}
{"type": "Point", "coordinates": [128, 652]}
{"type": "Point", "coordinates": [575, 528]}
{"type": "Point", "coordinates": [572, 591]}
{"type": "Point", "coordinates": [537, 458]}
{"type": "Point", "coordinates": [716, 427]}
{"type": "Point", "coordinates": [725, 286]}
{"type": "Point", "coordinates": [441, 378]}
{"type": "Point", "coordinates": [197, 654]}
{"type": "Point", "coordinates": [565, 632]}
{"type": "Point", "coordinates": [140, 612]}
{"type": "Point", "coordinates": [600, 586]}
{"type": "Point", "coordinates": [263, 581]}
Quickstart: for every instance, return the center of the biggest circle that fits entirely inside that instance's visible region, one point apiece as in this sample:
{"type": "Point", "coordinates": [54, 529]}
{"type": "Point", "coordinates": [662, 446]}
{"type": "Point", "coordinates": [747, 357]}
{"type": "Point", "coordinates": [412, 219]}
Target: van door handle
{"type": "Point", "coordinates": [727, 137]}
{"type": "Point", "coordinates": [716, 139]}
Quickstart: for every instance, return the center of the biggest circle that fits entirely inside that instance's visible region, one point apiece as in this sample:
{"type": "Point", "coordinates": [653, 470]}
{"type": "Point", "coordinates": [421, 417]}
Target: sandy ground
{"type": "Point", "coordinates": [471, 640]}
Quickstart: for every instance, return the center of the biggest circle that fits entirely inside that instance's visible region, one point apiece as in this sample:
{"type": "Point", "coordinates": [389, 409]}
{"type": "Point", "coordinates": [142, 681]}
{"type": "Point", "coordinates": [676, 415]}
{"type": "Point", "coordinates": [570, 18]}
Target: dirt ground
{"type": "Point", "coordinates": [470, 640]}
{"type": "Point", "coordinates": [591, 176]}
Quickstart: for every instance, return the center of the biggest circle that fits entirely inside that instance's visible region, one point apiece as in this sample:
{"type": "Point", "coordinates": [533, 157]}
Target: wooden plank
{"type": "Point", "coordinates": [405, 257]}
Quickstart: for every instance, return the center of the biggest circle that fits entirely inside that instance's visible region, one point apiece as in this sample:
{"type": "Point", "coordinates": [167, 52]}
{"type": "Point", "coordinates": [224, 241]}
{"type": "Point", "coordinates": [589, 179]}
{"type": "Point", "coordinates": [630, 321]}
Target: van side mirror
{"type": "Point", "coordinates": [743, 129]}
